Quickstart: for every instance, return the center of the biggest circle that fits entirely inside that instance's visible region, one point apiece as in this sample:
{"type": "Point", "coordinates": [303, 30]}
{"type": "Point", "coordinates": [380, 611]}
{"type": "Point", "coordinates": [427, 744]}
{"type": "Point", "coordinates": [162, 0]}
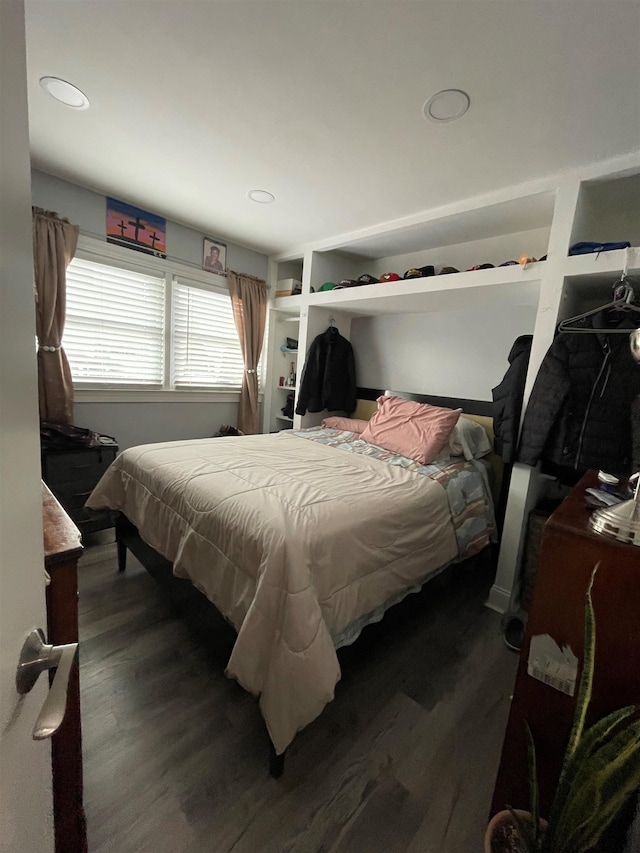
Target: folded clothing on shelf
{"type": "Point", "coordinates": [288, 287]}
{"type": "Point", "coordinates": [585, 247]}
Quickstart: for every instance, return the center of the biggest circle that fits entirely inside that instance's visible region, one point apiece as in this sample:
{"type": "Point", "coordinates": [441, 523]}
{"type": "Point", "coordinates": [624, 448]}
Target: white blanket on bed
{"type": "Point", "coordinates": [291, 540]}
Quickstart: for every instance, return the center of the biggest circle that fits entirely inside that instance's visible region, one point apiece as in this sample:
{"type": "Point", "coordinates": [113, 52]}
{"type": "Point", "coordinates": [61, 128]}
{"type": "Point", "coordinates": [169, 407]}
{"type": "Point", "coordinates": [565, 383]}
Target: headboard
{"type": "Point", "coordinates": [477, 410]}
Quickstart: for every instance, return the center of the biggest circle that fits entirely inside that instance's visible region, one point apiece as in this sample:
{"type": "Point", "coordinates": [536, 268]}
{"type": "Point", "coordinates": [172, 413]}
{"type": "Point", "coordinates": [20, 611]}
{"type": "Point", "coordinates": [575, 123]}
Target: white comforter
{"type": "Point", "coordinates": [291, 540]}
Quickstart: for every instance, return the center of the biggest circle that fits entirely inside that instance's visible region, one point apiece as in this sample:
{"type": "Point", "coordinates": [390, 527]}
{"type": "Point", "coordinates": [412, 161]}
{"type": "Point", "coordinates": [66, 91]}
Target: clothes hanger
{"type": "Point", "coordinates": [623, 302]}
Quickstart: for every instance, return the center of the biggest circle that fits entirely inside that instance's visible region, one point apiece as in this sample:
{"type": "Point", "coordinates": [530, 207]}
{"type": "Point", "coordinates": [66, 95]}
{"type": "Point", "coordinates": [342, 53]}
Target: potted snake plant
{"type": "Point", "coordinates": [600, 772]}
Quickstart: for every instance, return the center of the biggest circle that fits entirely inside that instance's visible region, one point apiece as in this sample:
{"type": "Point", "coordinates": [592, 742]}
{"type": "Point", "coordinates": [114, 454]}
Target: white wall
{"type": "Point", "coordinates": [146, 423]}
{"type": "Point", "coordinates": [608, 211]}
{"type": "Point", "coordinates": [453, 354]}
{"type": "Point", "coordinates": [142, 422]}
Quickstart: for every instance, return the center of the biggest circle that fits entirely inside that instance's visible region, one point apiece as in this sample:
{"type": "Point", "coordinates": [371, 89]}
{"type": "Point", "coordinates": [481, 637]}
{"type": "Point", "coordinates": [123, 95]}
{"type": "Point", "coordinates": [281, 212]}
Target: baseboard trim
{"type": "Point", "coordinates": [499, 599]}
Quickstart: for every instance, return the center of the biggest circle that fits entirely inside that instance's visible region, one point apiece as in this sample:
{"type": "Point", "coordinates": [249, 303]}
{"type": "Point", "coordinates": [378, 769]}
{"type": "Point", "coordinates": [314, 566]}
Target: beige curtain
{"type": "Point", "coordinates": [249, 301]}
{"type": "Point", "coordinates": [54, 245]}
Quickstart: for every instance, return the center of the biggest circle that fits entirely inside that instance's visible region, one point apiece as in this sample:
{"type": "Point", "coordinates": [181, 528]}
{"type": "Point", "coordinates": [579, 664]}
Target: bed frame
{"type": "Point", "coordinates": [195, 606]}
{"type": "Point", "coordinates": [191, 603]}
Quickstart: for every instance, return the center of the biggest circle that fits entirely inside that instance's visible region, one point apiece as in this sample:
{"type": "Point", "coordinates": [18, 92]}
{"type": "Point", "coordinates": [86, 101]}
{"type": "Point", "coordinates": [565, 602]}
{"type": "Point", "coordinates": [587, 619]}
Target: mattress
{"type": "Point", "coordinates": [293, 540]}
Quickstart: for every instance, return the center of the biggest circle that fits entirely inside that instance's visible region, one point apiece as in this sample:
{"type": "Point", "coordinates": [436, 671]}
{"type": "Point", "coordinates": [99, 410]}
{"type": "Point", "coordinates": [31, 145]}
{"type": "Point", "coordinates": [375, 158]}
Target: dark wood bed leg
{"type": "Point", "coordinates": [121, 525]}
{"type": "Point", "coordinates": [276, 763]}
{"type": "Point", "coordinates": [122, 555]}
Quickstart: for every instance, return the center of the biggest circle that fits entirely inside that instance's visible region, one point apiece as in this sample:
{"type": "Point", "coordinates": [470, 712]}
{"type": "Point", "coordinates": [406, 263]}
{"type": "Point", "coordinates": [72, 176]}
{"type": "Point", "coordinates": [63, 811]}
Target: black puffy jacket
{"type": "Point", "coordinates": [579, 413]}
{"type": "Point", "coordinates": [507, 400]}
{"type": "Point", "coordinates": [329, 376]}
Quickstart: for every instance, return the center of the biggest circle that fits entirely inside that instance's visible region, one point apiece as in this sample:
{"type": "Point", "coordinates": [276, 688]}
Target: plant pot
{"type": "Point", "coordinates": [502, 834]}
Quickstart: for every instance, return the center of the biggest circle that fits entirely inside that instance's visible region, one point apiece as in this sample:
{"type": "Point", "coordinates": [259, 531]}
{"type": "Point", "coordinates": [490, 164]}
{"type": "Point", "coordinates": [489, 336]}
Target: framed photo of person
{"type": "Point", "coordinates": [214, 257]}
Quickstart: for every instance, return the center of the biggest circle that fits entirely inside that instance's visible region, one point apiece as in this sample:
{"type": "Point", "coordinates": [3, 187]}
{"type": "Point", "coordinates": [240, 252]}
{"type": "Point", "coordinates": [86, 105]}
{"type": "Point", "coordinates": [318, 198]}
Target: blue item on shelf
{"type": "Point", "coordinates": [585, 248]}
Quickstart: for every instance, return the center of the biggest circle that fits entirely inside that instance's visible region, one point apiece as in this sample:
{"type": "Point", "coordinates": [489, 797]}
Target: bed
{"type": "Point", "coordinates": [299, 539]}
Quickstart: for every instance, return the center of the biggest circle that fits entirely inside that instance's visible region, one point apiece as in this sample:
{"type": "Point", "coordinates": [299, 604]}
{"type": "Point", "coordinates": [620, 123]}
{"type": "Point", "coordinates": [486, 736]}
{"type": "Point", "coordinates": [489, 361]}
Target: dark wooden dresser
{"type": "Point", "coordinates": [62, 548]}
{"type": "Point", "coordinates": [72, 474]}
{"type": "Point", "coordinates": [568, 553]}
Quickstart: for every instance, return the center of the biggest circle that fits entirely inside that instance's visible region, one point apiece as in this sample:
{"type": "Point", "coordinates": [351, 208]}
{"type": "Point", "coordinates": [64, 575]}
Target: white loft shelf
{"type": "Point", "coordinates": [457, 291]}
{"type": "Point", "coordinates": [286, 387]}
{"type": "Point", "coordinates": [513, 285]}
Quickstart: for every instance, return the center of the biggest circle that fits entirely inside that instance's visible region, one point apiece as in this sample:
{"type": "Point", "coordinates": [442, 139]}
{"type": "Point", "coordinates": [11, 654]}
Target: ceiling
{"type": "Point", "coordinates": [196, 102]}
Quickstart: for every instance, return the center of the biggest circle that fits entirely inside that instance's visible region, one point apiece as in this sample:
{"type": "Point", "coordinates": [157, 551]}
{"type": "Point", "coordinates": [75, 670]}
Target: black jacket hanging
{"type": "Point", "coordinates": [329, 375]}
{"type": "Point", "coordinates": [507, 400]}
{"type": "Point", "coordinates": [579, 413]}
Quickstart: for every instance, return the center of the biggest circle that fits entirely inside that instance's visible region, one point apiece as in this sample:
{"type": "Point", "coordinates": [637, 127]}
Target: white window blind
{"type": "Point", "coordinates": [114, 328]}
{"type": "Point", "coordinates": [206, 349]}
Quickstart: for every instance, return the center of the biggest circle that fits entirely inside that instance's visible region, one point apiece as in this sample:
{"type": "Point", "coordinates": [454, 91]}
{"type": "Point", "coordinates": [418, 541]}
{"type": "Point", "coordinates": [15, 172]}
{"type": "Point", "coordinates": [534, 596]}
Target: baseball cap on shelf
{"type": "Point", "coordinates": [365, 278]}
{"type": "Point", "coordinates": [509, 264]}
{"type": "Point", "coordinates": [328, 285]}
{"type": "Point", "coordinates": [390, 276]}
{"type": "Point", "coordinates": [481, 267]}
{"type": "Point", "coordinates": [420, 272]}
{"type": "Point", "coordinates": [448, 270]}
{"type": "Point", "coordinates": [347, 282]}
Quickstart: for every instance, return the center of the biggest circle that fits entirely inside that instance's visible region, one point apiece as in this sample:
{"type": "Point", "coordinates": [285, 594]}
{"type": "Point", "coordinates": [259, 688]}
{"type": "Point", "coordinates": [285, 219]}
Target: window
{"type": "Point", "coordinates": [133, 327]}
{"type": "Point", "coordinates": [114, 327]}
{"type": "Point", "coordinates": [206, 350]}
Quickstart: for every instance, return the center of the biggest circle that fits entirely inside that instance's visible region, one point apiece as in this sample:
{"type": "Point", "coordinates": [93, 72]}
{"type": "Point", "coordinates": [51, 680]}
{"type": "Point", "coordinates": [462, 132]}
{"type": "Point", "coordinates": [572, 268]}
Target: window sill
{"type": "Point", "coordinates": [156, 395]}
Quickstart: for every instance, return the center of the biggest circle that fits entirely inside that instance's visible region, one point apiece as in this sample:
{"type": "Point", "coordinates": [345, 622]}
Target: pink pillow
{"type": "Point", "coordinates": [351, 424]}
{"type": "Point", "coordinates": [416, 430]}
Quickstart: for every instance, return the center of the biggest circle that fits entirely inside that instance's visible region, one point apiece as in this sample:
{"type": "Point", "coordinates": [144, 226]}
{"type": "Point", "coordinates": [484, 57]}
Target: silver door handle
{"type": "Point", "coordinates": [36, 657]}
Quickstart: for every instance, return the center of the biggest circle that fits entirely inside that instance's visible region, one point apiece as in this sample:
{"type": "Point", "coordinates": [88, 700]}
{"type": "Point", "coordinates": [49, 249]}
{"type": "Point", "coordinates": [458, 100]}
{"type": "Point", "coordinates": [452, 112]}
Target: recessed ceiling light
{"type": "Point", "coordinates": [65, 92]}
{"type": "Point", "coordinates": [447, 105]}
{"type": "Point", "coordinates": [261, 196]}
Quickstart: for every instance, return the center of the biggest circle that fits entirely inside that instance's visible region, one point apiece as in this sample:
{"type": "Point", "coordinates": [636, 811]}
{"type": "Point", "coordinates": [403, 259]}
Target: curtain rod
{"type": "Point", "coordinates": [103, 238]}
{"type": "Point", "coordinates": [174, 258]}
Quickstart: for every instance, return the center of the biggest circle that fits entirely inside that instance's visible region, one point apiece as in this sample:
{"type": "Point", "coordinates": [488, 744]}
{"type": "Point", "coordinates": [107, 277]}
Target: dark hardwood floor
{"type": "Point", "coordinates": [176, 755]}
